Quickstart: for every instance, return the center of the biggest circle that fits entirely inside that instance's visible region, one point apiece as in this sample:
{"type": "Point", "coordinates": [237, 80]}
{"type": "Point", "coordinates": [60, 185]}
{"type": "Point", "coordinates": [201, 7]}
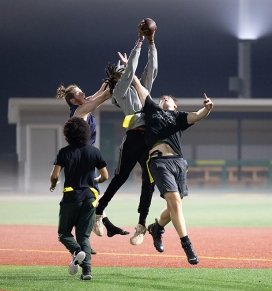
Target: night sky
{"type": "Point", "coordinates": [48, 42]}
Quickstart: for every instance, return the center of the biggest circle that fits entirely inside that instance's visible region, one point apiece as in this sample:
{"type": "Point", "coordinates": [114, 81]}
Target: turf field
{"type": "Point", "coordinates": [204, 212]}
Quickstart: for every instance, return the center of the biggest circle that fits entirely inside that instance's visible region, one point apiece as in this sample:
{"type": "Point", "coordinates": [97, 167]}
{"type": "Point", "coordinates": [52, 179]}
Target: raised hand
{"type": "Point", "coordinates": [208, 104]}
{"type": "Point", "coordinates": [123, 58]}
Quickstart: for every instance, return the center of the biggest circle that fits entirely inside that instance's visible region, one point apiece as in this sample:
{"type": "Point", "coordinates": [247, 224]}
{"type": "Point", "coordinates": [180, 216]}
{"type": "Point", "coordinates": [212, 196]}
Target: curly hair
{"type": "Point", "coordinates": [66, 93]}
{"type": "Point", "coordinates": [77, 132]}
{"type": "Point", "coordinates": [113, 72]}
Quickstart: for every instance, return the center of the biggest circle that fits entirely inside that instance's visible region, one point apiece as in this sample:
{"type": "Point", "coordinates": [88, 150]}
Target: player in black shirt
{"type": "Point", "coordinates": [80, 195]}
{"type": "Point", "coordinates": [164, 128]}
{"type": "Point", "coordinates": [84, 106]}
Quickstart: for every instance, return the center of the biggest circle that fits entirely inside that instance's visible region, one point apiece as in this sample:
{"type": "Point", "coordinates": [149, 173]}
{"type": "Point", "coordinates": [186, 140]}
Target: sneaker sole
{"type": "Point", "coordinates": [135, 242]}
{"type": "Point", "coordinates": [194, 261]}
{"type": "Point", "coordinates": [73, 268]}
{"type": "Point", "coordinates": [80, 257]}
{"type": "Point", "coordinates": [86, 277]}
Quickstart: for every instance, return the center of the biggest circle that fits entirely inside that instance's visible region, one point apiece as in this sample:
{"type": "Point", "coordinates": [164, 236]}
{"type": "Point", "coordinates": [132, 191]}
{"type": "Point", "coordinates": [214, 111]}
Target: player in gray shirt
{"type": "Point", "coordinates": [133, 148]}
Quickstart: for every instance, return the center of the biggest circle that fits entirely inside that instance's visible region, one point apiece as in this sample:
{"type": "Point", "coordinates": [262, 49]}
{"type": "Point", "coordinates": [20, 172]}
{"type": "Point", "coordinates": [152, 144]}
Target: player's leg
{"type": "Point", "coordinates": [67, 219]}
{"type": "Point", "coordinates": [127, 161]}
{"type": "Point", "coordinates": [175, 206]}
{"type": "Point", "coordinates": [83, 228]}
{"type": "Point", "coordinates": [178, 167]}
{"type": "Point", "coordinates": [147, 190]}
{"type": "Point", "coordinates": [160, 174]}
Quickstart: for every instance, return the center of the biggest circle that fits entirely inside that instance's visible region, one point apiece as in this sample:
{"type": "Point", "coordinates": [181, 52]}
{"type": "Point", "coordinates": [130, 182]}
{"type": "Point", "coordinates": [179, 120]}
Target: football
{"type": "Point", "coordinates": [148, 26]}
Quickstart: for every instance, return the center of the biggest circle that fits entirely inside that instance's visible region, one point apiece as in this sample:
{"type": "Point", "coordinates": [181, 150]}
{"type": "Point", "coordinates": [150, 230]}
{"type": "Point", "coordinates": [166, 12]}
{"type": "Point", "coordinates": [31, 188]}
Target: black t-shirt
{"type": "Point", "coordinates": [79, 165]}
{"type": "Point", "coordinates": [164, 125]}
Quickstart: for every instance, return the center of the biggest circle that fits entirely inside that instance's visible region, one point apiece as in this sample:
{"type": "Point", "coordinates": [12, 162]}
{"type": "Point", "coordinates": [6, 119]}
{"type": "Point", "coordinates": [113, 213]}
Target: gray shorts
{"type": "Point", "coordinates": [169, 174]}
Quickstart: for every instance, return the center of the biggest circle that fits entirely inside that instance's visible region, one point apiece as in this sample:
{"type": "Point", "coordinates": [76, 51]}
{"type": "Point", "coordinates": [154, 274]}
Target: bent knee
{"type": "Point", "coordinates": [173, 199]}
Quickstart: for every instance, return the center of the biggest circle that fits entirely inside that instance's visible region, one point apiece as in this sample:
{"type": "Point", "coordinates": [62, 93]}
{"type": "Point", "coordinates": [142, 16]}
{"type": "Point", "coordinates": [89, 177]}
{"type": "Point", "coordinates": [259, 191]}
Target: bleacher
{"type": "Point", "coordinates": [220, 172]}
{"type": "Point", "coordinates": [235, 173]}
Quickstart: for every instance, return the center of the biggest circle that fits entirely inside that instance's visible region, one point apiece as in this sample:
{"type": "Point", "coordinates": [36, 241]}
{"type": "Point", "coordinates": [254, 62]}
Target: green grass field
{"type": "Point", "coordinates": [201, 210]}
{"type": "Point", "coordinates": [109, 279]}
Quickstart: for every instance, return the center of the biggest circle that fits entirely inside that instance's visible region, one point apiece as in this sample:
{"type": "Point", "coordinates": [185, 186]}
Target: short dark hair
{"type": "Point", "coordinates": [77, 132]}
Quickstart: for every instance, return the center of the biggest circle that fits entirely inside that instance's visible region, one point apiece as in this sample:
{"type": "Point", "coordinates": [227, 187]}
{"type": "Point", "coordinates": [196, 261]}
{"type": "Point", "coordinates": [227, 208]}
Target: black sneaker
{"type": "Point", "coordinates": [86, 277]}
{"type": "Point", "coordinates": [156, 231]}
{"type": "Point", "coordinates": [86, 274]}
{"type": "Point", "coordinates": [191, 256]}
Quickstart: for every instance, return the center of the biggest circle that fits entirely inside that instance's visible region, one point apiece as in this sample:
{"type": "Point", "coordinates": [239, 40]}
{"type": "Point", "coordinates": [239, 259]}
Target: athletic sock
{"type": "Point", "coordinates": [112, 229]}
{"type": "Point", "coordinates": [159, 226]}
{"type": "Point", "coordinates": [107, 223]}
{"type": "Point", "coordinates": [184, 239]}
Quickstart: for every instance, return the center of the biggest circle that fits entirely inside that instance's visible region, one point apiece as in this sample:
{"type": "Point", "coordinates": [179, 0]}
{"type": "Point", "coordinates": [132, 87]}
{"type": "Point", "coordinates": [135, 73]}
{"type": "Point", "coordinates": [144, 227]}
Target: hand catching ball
{"type": "Point", "coordinates": [148, 26]}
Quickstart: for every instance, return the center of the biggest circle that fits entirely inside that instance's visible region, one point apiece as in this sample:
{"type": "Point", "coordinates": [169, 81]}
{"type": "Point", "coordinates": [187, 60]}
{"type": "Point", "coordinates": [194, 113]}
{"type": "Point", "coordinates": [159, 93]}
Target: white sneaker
{"type": "Point", "coordinates": [138, 236]}
{"type": "Point", "coordinates": [98, 227]}
{"type": "Point", "coordinates": [77, 259]}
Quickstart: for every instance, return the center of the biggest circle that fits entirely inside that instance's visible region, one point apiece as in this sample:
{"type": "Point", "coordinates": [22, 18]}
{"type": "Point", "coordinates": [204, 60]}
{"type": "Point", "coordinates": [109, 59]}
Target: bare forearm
{"type": "Point", "coordinates": [104, 175]}
{"type": "Point", "coordinates": [193, 117]}
{"type": "Point", "coordinates": [98, 92]}
{"type": "Point", "coordinates": [100, 179]}
{"type": "Point", "coordinates": [196, 116]}
{"type": "Point", "coordinates": [92, 104]}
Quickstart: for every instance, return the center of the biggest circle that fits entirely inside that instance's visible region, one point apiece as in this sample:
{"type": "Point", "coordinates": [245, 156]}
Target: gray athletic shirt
{"type": "Point", "coordinates": [125, 94]}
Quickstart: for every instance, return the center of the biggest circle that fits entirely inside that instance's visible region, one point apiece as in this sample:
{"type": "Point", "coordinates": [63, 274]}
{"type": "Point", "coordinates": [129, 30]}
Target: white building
{"type": "Point", "coordinates": [237, 132]}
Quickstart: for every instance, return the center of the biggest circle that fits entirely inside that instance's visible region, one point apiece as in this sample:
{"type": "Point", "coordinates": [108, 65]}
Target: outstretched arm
{"type": "Point", "coordinates": [194, 117]}
{"type": "Point", "coordinates": [131, 66]}
{"type": "Point", "coordinates": [141, 90]}
{"type": "Point", "coordinates": [151, 69]}
{"type": "Point", "coordinates": [98, 92]}
{"type": "Point", "coordinates": [92, 104]}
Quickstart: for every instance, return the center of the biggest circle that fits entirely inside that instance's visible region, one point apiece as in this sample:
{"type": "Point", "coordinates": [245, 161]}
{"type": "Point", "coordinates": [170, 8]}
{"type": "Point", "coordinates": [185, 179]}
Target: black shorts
{"type": "Point", "coordinates": [169, 174]}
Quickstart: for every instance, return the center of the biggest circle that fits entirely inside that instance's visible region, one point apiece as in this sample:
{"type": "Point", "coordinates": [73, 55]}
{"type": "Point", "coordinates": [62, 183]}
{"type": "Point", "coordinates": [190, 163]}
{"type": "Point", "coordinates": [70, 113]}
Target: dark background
{"type": "Point", "coordinates": [48, 42]}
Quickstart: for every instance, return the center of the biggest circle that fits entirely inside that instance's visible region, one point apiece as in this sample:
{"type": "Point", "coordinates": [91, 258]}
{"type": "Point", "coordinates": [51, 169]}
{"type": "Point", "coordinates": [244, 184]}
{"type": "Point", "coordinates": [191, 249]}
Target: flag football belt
{"type": "Point", "coordinates": [130, 119]}
{"type": "Point", "coordinates": [93, 190]}
{"type": "Point", "coordinates": [155, 154]}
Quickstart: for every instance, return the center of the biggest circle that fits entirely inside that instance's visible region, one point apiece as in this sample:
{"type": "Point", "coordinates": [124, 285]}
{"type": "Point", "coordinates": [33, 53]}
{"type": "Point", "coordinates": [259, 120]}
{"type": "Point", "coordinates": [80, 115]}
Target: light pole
{"type": "Point", "coordinates": [244, 68]}
{"type": "Point", "coordinates": [246, 34]}
{"type": "Point", "coordinates": [242, 83]}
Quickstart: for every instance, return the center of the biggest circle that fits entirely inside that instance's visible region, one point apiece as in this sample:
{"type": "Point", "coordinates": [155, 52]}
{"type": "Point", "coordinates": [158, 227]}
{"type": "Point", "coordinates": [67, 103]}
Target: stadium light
{"type": "Point", "coordinates": [247, 28]}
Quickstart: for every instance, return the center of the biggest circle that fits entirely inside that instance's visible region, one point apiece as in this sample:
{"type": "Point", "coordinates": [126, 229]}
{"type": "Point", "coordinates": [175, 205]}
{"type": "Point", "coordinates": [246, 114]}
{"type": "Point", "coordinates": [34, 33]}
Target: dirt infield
{"type": "Point", "coordinates": [216, 247]}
